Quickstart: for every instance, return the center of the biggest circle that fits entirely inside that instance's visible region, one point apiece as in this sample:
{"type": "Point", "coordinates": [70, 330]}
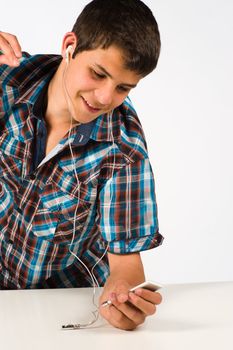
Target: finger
{"type": "Point", "coordinates": [153, 297]}
{"type": "Point", "coordinates": [10, 62]}
{"type": "Point", "coordinates": [119, 320]}
{"type": "Point", "coordinates": [141, 304]}
{"type": "Point", "coordinates": [8, 56]}
{"type": "Point", "coordinates": [116, 318]}
{"type": "Point", "coordinates": [14, 43]}
{"type": "Point", "coordinates": [122, 297]}
{"type": "Point", "coordinates": [131, 312]}
{"type": "Point", "coordinates": [121, 292]}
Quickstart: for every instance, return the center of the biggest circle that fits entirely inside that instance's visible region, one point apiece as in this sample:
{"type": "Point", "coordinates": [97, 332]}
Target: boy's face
{"type": "Point", "coordinates": [97, 82]}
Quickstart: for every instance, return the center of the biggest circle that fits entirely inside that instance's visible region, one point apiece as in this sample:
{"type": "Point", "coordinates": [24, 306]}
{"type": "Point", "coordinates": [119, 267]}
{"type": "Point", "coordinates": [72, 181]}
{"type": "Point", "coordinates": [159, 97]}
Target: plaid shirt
{"type": "Point", "coordinates": [37, 205]}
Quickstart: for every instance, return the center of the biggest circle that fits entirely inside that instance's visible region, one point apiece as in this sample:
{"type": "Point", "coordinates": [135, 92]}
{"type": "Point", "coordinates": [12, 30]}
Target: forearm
{"type": "Point", "coordinates": [127, 266]}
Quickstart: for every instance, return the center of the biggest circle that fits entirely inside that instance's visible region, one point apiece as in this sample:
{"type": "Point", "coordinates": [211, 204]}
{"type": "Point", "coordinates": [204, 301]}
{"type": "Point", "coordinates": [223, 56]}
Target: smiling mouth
{"type": "Point", "coordinates": [90, 107]}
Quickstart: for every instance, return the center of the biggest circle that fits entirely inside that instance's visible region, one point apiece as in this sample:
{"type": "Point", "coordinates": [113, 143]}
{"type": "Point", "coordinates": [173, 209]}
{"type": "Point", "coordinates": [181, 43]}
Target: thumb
{"type": "Point", "coordinates": [122, 291]}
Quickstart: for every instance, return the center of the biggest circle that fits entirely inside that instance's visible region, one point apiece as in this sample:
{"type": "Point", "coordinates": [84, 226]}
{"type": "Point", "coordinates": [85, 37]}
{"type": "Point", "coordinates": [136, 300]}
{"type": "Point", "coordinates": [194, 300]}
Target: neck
{"type": "Point", "coordinates": [57, 114]}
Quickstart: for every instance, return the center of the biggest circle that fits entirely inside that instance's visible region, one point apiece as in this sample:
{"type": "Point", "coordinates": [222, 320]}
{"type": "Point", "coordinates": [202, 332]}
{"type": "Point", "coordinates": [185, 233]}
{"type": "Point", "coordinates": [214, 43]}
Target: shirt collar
{"type": "Point", "coordinates": [104, 125]}
{"type": "Point", "coordinates": [40, 105]}
{"type": "Point", "coordinates": [39, 70]}
{"type": "Point", "coordinates": [83, 133]}
{"type": "Point", "coordinates": [98, 130]}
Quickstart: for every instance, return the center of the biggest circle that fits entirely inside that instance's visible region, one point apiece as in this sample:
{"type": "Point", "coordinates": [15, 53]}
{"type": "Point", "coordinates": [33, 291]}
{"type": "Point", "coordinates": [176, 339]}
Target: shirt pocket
{"type": "Point", "coordinates": [59, 202]}
{"type": "Point", "coordinates": [12, 152]}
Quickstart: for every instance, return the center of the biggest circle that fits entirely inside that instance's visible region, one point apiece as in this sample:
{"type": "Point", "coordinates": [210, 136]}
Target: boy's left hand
{"type": "Point", "coordinates": [128, 309]}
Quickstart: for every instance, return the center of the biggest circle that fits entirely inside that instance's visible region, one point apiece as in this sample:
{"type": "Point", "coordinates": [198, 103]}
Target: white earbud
{"type": "Point", "coordinates": [69, 50]}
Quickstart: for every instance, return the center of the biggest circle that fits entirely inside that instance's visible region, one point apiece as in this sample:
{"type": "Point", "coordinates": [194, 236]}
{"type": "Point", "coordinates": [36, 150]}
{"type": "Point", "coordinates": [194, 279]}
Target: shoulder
{"type": "Point", "coordinates": [31, 67]}
{"type": "Point", "coordinates": [133, 142]}
{"type": "Point", "coordinates": [8, 75]}
{"type": "Point", "coordinates": [17, 81]}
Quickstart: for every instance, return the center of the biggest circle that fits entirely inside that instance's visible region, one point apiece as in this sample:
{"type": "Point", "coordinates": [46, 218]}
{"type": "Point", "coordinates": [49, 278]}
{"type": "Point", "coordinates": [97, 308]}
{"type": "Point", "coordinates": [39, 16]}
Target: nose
{"type": "Point", "coordinates": [104, 95]}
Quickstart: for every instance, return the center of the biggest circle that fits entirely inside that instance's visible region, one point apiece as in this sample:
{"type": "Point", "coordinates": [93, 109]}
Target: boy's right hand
{"type": "Point", "coordinates": [10, 50]}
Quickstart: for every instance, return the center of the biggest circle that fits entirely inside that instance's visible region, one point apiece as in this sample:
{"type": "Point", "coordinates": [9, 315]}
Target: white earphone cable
{"type": "Point", "coordinates": [91, 273]}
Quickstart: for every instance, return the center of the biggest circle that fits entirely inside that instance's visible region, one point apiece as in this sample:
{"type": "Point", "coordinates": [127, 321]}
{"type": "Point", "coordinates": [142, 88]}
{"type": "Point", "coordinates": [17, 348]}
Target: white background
{"type": "Point", "coordinates": [185, 107]}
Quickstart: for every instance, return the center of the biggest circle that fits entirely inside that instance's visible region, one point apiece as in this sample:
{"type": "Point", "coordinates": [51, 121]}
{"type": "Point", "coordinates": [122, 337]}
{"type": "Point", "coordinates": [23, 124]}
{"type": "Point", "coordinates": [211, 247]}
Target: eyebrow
{"type": "Point", "coordinates": [110, 76]}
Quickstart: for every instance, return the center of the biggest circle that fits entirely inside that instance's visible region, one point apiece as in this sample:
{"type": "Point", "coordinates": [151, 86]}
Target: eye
{"type": "Point", "coordinates": [97, 75]}
{"type": "Point", "coordinates": [123, 89]}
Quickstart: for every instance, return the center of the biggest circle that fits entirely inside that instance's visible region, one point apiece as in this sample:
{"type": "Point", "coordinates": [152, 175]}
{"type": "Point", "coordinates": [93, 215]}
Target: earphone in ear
{"type": "Point", "coordinates": [68, 52]}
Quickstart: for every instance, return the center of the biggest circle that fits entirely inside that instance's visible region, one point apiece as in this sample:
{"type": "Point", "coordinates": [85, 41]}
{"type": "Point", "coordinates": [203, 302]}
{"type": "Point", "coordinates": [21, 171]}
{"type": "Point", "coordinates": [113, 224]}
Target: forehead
{"type": "Point", "coordinates": [111, 59]}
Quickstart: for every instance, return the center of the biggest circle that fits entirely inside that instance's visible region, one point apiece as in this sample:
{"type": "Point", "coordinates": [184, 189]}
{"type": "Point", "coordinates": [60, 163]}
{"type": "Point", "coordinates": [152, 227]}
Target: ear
{"type": "Point", "coordinates": [69, 39]}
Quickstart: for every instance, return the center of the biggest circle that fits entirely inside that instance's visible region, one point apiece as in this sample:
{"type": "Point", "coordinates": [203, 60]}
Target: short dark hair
{"type": "Point", "coordinates": [127, 24]}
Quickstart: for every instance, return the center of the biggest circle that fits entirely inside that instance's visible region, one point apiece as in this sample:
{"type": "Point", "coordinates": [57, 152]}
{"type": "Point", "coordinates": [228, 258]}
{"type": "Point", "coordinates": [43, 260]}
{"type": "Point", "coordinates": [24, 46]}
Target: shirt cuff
{"type": "Point", "coordinates": [135, 245]}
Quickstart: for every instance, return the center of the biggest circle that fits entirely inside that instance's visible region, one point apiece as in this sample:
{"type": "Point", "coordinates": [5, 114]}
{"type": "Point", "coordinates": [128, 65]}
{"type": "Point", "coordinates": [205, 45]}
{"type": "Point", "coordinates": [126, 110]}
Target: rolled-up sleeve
{"type": "Point", "coordinates": [127, 209]}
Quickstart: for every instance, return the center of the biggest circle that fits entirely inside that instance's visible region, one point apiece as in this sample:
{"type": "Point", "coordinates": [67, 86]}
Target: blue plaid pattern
{"type": "Point", "coordinates": [116, 204]}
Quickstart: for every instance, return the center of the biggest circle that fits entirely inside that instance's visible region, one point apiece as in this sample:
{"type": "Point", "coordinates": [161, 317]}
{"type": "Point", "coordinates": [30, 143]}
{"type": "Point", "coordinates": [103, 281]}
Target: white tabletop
{"type": "Point", "coordinates": [192, 316]}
